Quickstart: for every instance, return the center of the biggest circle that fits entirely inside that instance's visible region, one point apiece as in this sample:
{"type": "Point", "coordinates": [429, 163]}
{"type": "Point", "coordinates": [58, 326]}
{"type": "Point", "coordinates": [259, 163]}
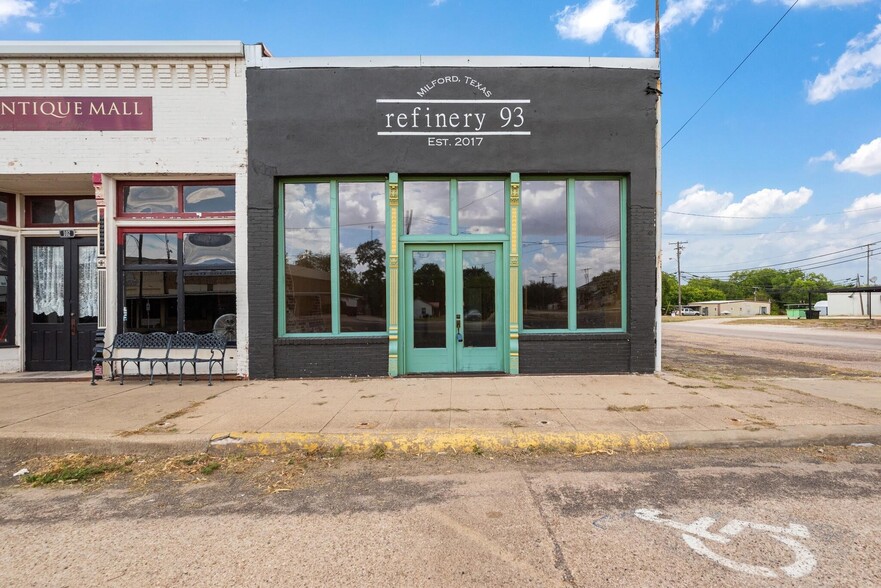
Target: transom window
{"type": "Point", "coordinates": [52, 211]}
{"type": "Point", "coordinates": [177, 199]}
{"type": "Point", "coordinates": [479, 207]}
{"type": "Point", "coordinates": [7, 209]}
{"type": "Point", "coordinates": [333, 271]}
{"type": "Point", "coordinates": [176, 280]}
{"type": "Point", "coordinates": [571, 268]}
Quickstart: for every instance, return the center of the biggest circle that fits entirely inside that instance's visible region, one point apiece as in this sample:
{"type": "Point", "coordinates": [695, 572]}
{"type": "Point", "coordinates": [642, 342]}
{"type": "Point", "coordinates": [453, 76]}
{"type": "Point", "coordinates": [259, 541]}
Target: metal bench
{"type": "Point", "coordinates": [162, 348]}
{"type": "Point", "coordinates": [126, 348]}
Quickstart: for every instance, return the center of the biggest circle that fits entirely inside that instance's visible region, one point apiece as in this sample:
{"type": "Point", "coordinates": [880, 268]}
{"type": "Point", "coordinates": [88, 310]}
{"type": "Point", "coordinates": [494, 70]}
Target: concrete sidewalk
{"type": "Point", "coordinates": [575, 413]}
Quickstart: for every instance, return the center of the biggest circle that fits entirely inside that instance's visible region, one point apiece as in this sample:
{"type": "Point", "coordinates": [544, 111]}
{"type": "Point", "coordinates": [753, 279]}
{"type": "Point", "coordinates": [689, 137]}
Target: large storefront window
{"type": "Point", "coordinates": [571, 256]}
{"type": "Point", "coordinates": [7, 290]}
{"type": "Point", "coordinates": [180, 281]}
{"type": "Point", "coordinates": [334, 267]}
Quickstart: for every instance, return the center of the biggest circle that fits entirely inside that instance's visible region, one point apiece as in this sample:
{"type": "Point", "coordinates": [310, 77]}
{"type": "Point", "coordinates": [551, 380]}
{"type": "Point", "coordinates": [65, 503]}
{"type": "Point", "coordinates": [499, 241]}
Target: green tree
{"type": "Point", "coordinates": [372, 279]}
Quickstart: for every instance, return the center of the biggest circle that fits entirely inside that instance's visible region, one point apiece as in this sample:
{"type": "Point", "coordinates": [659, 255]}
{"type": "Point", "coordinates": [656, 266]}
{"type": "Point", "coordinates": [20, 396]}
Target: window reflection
{"type": "Point", "coordinates": [544, 258]}
{"type": "Point", "coordinates": [85, 211]}
{"type": "Point", "coordinates": [5, 209]}
{"type": "Point", "coordinates": [49, 211]}
{"type": "Point", "coordinates": [151, 301]}
{"type": "Point", "coordinates": [362, 256]}
{"type": "Point", "coordinates": [479, 298]}
{"type": "Point", "coordinates": [481, 207]}
{"type": "Point", "coordinates": [308, 307]}
{"type": "Point", "coordinates": [429, 299]}
{"type": "Point", "coordinates": [150, 248]}
{"type": "Point", "coordinates": [426, 208]}
{"type": "Point", "coordinates": [208, 295]}
{"type": "Point", "coordinates": [209, 249]}
{"type": "Point", "coordinates": [598, 254]}
{"type": "Point", "coordinates": [171, 290]}
{"type": "Point", "coordinates": [209, 198]}
{"type": "Point", "coordinates": [146, 199]}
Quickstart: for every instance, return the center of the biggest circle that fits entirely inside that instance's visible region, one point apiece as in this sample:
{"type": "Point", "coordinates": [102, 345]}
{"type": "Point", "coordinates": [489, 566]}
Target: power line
{"type": "Point", "coordinates": [770, 217]}
{"type": "Point", "coordinates": [730, 75]}
{"type": "Point", "coordinates": [849, 258]}
{"type": "Point", "coordinates": [757, 234]}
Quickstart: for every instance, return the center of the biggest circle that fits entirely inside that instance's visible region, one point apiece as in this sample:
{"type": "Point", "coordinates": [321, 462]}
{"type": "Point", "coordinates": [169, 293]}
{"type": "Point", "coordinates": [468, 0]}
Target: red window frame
{"type": "Point", "coordinates": [29, 222]}
{"type": "Point", "coordinates": [180, 214]}
{"type": "Point", "coordinates": [9, 199]}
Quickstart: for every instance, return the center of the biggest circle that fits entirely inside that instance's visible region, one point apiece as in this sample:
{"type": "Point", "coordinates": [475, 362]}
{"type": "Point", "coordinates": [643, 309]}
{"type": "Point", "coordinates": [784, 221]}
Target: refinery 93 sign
{"type": "Point", "coordinates": [451, 122]}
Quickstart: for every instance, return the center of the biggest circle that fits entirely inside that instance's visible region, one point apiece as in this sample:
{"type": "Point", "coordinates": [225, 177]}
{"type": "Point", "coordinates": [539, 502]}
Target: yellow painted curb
{"type": "Point", "coordinates": [443, 441]}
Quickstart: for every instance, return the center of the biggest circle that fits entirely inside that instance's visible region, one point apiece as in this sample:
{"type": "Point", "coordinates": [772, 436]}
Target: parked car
{"type": "Point", "coordinates": [473, 315]}
{"type": "Point", "coordinates": [690, 312]}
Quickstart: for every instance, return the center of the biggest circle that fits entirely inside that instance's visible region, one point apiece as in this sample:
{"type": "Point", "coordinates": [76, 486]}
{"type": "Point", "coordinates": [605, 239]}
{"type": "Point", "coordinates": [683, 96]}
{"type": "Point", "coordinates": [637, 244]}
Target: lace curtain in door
{"type": "Point", "coordinates": [88, 298]}
{"type": "Point", "coordinates": [48, 280]}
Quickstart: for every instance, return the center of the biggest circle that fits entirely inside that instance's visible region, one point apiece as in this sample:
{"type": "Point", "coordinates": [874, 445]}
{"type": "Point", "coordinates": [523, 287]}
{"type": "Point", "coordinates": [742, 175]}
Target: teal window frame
{"type": "Point", "coordinates": [571, 252]}
{"type": "Point", "coordinates": [334, 183]}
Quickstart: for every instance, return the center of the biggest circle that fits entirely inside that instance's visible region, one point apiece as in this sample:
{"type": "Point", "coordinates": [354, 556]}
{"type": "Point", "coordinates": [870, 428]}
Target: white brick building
{"type": "Point", "coordinates": [122, 195]}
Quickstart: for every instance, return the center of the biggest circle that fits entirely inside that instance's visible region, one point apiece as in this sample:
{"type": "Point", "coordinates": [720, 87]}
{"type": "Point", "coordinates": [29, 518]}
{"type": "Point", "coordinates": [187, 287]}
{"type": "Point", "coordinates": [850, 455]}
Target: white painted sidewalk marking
{"type": "Point", "coordinates": [695, 533]}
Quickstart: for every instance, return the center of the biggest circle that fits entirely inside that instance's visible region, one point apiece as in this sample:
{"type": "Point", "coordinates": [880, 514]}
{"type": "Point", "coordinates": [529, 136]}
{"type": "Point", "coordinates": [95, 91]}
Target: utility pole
{"type": "Point", "coordinates": [869, 293]}
{"type": "Point", "coordinates": [658, 29]}
{"type": "Point", "coordinates": [861, 294]}
{"type": "Point", "coordinates": [680, 245]}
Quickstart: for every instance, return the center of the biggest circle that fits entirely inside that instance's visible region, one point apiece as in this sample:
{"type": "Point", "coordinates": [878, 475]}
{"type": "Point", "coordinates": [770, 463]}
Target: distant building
{"type": "Point", "coordinates": [854, 303]}
{"type": "Point", "coordinates": [732, 308]}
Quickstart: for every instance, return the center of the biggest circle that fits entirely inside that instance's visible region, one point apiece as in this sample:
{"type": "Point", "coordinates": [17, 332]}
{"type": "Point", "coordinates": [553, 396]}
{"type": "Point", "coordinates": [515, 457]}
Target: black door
{"type": "Point", "coordinates": [62, 303]}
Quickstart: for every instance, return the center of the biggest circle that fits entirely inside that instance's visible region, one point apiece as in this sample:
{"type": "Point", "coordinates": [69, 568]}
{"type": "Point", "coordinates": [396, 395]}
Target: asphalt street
{"type": "Point", "coordinates": [773, 517]}
{"type": "Point", "coordinates": [870, 341]}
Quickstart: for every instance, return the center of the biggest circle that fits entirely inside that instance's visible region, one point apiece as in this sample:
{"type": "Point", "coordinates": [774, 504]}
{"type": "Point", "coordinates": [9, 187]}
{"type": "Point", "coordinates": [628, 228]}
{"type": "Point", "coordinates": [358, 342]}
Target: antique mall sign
{"type": "Point", "coordinates": [66, 113]}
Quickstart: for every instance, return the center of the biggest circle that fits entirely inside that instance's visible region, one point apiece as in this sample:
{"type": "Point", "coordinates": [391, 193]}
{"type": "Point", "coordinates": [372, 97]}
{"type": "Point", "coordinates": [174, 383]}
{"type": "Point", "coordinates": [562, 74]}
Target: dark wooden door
{"type": "Point", "coordinates": [62, 303]}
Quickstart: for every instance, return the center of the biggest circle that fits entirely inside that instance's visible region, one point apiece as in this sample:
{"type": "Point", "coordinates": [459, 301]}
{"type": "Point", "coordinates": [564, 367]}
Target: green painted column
{"type": "Point", "coordinates": [393, 293]}
{"type": "Point", "coordinates": [514, 278]}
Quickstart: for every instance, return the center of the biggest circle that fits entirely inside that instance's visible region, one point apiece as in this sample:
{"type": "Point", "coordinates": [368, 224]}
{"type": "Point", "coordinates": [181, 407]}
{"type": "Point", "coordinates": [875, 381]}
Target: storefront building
{"type": "Point", "coordinates": [450, 215]}
{"type": "Point", "coordinates": [122, 196]}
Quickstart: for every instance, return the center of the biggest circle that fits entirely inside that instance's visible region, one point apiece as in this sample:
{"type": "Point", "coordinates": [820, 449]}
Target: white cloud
{"type": "Point", "coordinates": [590, 22]}
{"type": "Point", "coordinates": [34, 27]}
{"type": "Point", "coordinates": [819, 227]}
{"type": "Point", "coordinates": [828, 156]}
{"type": "Point", "coordinates": [15, 9]}
{"type": "Point", "coordinates": [865, 206]}
{"type": "Point", "coordinates": [857, 68]}
{"type": "Point", "coordinates": [719, 211]}
{"type": "Point", "coordinates": [437, 2]}
{"type": "Point", "coordinates": [866, 160]}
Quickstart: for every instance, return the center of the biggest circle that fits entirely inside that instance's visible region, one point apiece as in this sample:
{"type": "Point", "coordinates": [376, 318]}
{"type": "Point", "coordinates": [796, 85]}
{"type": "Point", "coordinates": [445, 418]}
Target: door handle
{"type": "Point", "coordinates": [459, 337]}
{"type": "Point", "coordinates": [73, 325]}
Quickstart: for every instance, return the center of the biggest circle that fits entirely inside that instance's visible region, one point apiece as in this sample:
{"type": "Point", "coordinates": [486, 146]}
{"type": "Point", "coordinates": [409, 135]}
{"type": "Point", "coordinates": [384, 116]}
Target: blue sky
{"type": "Point", "coordinates": [794, 135]}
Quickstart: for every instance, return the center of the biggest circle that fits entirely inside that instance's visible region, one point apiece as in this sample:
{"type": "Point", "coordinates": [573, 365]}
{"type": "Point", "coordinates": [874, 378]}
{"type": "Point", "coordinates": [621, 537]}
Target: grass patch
{"type": "Point", "coordinates": [378, 451]}
{"type": "Point", "coordinates": [76, 469]}
{"type": "Point", "coordinates": [209, 468]}
{"type": "Point", "coordinates": [638, 408]}
{"type": "Point", "coordinates": [476, 449]}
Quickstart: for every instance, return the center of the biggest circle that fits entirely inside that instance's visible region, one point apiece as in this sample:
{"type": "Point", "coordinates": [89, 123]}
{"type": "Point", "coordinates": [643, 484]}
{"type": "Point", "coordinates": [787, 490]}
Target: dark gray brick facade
{"type": "Point", "coordinates": [323, 122]}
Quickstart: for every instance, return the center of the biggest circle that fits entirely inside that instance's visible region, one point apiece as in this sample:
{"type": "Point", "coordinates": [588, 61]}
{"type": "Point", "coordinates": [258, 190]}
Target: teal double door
{"type": "Point", "coordinates": [453, 311]}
